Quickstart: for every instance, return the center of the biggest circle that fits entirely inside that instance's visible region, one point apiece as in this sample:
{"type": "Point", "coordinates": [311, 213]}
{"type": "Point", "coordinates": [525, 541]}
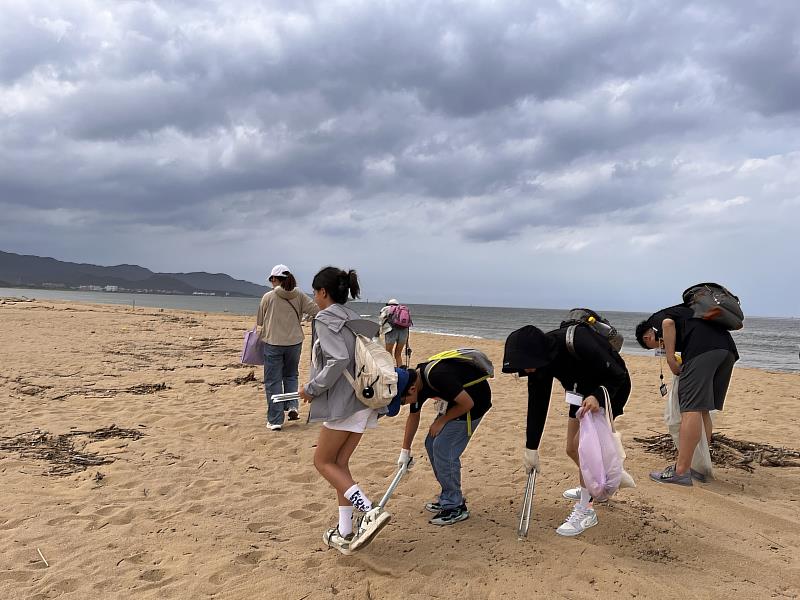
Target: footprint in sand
{"type": "Point", "coordinates": [68, 518]}
{"type": "Point", "coordinates": [301, 515]}
{"type": "Point", "coordinates": [250, 558]}
{"type": "Point", "coordinates": [262, 527]}
{"type": "Point", "coordinates": [304, 477]}
{"type": "Point", "coordinates": [152, 575]}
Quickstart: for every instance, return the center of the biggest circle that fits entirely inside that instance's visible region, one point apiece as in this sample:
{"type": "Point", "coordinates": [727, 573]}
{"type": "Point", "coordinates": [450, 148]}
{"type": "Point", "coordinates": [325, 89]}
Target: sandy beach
{"type": "Point", "coordinates": [208, 503]}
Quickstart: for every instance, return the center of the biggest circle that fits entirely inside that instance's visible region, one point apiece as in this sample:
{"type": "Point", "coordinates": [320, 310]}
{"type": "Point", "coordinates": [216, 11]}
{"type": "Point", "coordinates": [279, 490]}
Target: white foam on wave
{"type": "Point", "coordinates": [461, 335]}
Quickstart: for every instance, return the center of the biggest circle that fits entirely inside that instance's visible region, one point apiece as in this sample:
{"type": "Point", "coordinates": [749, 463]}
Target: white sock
{"type": "Point", "coordinates": [586, 497]}
{"type": "Point", "coordinates": [358, 498]}
{"type": "Point", "coordinates": [345, 520]}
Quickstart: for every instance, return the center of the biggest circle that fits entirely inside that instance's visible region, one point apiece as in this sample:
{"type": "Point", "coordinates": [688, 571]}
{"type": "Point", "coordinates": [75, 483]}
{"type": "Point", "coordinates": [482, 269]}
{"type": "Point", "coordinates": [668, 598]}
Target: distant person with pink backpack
{"type": "Point", "coordinates": [395, 320]}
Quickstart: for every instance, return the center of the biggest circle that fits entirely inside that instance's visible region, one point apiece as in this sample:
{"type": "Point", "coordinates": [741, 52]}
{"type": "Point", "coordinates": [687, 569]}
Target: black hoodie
{"type": "Point", "coordinates": [598, 365]}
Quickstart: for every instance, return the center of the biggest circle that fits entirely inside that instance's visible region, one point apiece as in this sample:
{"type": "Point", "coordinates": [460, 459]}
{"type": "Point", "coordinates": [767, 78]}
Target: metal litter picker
{"type": "Point", "coordinates": [527, 501]}
{"type": "Point", "coordinates": [285, 397]}
{"type": "Point", "coordinates": [392, 486]}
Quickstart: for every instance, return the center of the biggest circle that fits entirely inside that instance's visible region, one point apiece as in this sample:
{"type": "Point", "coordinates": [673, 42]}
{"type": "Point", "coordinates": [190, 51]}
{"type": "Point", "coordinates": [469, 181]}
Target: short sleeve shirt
{"type": "Point", "coordinates": [447, 380]}
{"type": "Point", "coordinates": [679, 313]}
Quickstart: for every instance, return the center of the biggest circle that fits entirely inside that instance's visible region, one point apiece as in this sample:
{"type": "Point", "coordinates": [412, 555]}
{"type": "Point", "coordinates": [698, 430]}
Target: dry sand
{"type": "Point", "coordinates": [209, 503]}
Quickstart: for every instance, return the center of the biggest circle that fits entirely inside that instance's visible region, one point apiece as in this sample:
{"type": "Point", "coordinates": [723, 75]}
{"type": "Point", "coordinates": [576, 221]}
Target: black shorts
{"type": "Point", "coordinates": [618, 401]}
{"type": "Point", "coordinates": [704, 381]}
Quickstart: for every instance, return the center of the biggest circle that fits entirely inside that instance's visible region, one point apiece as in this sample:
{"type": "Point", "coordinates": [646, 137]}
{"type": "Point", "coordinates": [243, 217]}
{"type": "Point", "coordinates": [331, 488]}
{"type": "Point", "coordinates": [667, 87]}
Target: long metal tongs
{"type": "Point", "coordinates": [527, 501]}
{"type": "Point", "coordinates": [392, 486]}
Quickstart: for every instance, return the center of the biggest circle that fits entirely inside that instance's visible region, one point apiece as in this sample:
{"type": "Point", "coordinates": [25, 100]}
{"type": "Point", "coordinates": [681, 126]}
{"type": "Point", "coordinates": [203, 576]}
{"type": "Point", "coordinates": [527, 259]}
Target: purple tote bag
{"type": "Point", "coordinates": [601, 465]}
{"type": "Point", "coordinates": [253, 351]}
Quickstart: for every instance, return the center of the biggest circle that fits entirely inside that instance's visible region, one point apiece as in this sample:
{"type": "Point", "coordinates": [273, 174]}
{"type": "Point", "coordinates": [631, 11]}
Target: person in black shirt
{"type": "Point", "coordinates": [708, 353]}
{"type": "Point", "coordinates": [462, 397]}
{"type": "Point", "coordinates": [541, 357]}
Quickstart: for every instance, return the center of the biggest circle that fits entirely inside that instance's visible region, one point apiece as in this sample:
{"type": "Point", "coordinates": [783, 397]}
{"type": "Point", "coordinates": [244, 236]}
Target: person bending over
{"type": "Point", "coordinates": [540, 357]}
{"type": "Point", "coordinates": [462, 397]}
{"type": "Point", "coordinates": [708, 353]}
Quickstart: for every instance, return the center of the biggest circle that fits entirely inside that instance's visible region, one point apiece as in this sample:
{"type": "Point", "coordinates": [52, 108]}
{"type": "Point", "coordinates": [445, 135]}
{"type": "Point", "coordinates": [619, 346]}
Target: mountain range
{"type": "Point", "coordinates": [19, 270]}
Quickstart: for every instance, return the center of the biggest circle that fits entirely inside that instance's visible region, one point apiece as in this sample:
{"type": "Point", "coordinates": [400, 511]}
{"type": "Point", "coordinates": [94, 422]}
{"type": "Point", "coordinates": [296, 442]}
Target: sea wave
{"type": "Point", "coordinates": [447, 333]}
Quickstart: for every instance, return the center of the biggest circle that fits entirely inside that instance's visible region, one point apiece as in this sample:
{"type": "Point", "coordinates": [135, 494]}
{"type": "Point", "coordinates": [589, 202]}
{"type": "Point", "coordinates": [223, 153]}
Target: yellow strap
{"type": "Point", "coordinates": [435, 359]}
{"type": "Point", "coordinates": [477, 381]}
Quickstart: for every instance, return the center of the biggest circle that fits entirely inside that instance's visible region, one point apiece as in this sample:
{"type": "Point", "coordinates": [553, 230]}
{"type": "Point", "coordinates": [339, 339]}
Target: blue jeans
{"type": "Point", "coordinates": [280, 377]}
{"type": "Point", "coordinates": [444, 452]}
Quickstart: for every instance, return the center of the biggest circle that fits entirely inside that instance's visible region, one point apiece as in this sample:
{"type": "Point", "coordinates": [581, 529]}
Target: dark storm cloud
{"type": "Point", "coordinates": [518, 115]}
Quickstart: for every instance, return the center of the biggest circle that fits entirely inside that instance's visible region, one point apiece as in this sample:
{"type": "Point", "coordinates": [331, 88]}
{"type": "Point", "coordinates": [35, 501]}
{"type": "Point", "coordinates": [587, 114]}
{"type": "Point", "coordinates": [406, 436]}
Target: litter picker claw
{"type": "Point", "coordinates": [527, 501]}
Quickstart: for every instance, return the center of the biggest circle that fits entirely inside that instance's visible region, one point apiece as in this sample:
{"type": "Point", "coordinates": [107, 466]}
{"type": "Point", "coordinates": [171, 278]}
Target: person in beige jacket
{"type": "Point", "coordinates": [280, 314]}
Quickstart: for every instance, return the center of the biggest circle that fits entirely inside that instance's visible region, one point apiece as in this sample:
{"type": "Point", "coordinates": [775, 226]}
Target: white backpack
{"type": "Point", "coordinates": [375, 382]}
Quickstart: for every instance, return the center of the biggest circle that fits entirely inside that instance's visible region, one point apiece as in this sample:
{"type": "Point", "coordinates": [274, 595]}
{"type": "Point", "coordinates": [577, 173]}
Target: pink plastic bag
{"type": "Point", "coordinates": [601, 465]}
{"type": "Point", "coordinates": [253, 351]}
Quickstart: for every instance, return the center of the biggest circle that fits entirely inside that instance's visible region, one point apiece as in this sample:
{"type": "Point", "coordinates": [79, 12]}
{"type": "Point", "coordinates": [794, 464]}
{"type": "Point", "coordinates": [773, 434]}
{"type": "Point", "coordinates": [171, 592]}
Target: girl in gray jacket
{"type": "Point", "coordinates": [333, 401]}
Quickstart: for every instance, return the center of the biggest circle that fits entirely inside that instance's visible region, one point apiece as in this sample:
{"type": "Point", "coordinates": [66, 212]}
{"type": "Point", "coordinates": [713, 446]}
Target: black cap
{"type": "Point", "coordinates": [528, 348]}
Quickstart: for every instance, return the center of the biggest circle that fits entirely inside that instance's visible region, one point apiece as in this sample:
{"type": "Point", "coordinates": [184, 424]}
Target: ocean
{"type": "Point", "coordinates": [765, 342]}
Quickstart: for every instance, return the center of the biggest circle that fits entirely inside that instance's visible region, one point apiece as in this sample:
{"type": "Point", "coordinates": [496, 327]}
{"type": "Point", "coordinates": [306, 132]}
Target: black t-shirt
{"type": "Point", "coordinates": [447, 380]}
{"type": "Point", "coordinates": [700, 336]}
{"type": "Point", "coordinates": [692, 336]}
{"type": "Point", "coordinates": [679, 313]}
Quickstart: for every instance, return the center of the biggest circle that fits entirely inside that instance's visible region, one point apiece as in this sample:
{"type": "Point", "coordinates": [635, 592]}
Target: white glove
{"type": "Point", "coordinates": [531, 460]}
{"type": "Point", "coordinates": [405, 458]}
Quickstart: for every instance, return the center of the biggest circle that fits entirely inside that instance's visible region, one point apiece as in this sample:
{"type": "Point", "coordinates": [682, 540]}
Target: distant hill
{"type": "Point", "coordinates": [36, 271]}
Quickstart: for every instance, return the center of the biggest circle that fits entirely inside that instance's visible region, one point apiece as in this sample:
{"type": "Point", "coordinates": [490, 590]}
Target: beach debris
{"type": "Point", "coordinates": [146, 388]}
{"type": "Point", "coordinates": [15, 299]}
{"type": "Point", "coordinates": [137, 390]}
{"type": "Point", "coordinates": [59, 450]}
{"type": "Point", "coordinates": [251, 376]}
{"type": "Point", "coordinates": [112, 431]}
{"type": "Point", "coordinates": [44, 560]}
{"type": "Point", "coordinates": [728, 452]}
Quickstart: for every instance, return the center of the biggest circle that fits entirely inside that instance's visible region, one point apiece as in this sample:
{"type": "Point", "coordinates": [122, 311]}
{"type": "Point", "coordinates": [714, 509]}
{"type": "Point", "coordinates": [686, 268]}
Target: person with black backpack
{"type": "Point", "coordinates": [708, 354]}
{"type": "Point", "coordinates": [459, 388]}
{"type": "Point", "coordinates": [584, 362]}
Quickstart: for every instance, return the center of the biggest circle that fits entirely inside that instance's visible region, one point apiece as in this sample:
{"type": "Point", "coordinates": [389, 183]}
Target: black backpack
{"type": "Point", "coordinates": [715, 303]}
{"type": "Point", "coordinates": [596, 322]}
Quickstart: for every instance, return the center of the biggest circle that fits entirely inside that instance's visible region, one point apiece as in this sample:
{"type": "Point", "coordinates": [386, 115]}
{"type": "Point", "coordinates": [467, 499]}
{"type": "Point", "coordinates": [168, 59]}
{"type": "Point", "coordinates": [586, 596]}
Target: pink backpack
{"type": "Point", "coordinates": [400, 317]}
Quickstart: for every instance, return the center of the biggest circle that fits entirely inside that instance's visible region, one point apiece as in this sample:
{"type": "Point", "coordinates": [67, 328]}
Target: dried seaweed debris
{"type": "Point", "coordinates": [59, 450]}
{"type": "Point", "coordinates": [728, 452]}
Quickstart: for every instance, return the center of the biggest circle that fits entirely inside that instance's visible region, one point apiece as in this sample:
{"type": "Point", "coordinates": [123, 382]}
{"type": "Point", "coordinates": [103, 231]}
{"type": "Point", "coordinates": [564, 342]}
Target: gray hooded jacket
{"type": "Point", "coordinates": [332, 351]}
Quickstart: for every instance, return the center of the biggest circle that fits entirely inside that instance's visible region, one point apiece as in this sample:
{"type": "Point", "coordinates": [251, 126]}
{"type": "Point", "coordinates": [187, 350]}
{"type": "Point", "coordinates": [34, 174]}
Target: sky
{"type": "Point", "coordinates": [534, 154]}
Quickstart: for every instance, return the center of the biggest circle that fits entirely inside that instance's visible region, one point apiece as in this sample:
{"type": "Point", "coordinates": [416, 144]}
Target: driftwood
{"type": "Point", "coordinates": [60, 451]}
{"type": "Point", "coordinates": [251, 376]}
{"type": "Point", "coordinates": [728, 452]}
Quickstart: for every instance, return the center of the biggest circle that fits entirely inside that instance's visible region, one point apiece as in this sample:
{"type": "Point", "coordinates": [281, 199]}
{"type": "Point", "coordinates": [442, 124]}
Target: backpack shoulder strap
{"type": "Point", "coordinates": [571, 340]}
{"type": "Point", "coordinates": [364, 327]}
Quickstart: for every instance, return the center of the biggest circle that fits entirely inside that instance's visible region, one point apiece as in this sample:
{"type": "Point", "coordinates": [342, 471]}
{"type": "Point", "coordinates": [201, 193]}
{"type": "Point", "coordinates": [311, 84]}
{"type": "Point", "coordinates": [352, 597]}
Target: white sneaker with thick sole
{"type": "Point", "coordinates": [334, 539]}
{"type": "Point", "coordinates": [578, 521]}
{"type": "Point", "coordinates": [369, 526]}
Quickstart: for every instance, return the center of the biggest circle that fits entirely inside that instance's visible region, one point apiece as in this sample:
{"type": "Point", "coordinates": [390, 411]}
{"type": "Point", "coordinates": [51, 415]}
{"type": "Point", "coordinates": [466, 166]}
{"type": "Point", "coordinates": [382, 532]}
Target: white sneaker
{"type": "Point", "coordinates": [579, 520]}
{"type": "Point", "coordinates": [334, 539]}
{"type": "Point", "coordinates": [575, 494]}
{"type": "Point", "coordinates": [274, 427]}
{"type": "Point", "coordinates": [369, 526]}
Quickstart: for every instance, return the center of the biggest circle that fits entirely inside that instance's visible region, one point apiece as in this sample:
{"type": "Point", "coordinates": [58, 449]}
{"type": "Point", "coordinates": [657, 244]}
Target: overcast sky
{"type": "Point", "coordinates": [540, 154]}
